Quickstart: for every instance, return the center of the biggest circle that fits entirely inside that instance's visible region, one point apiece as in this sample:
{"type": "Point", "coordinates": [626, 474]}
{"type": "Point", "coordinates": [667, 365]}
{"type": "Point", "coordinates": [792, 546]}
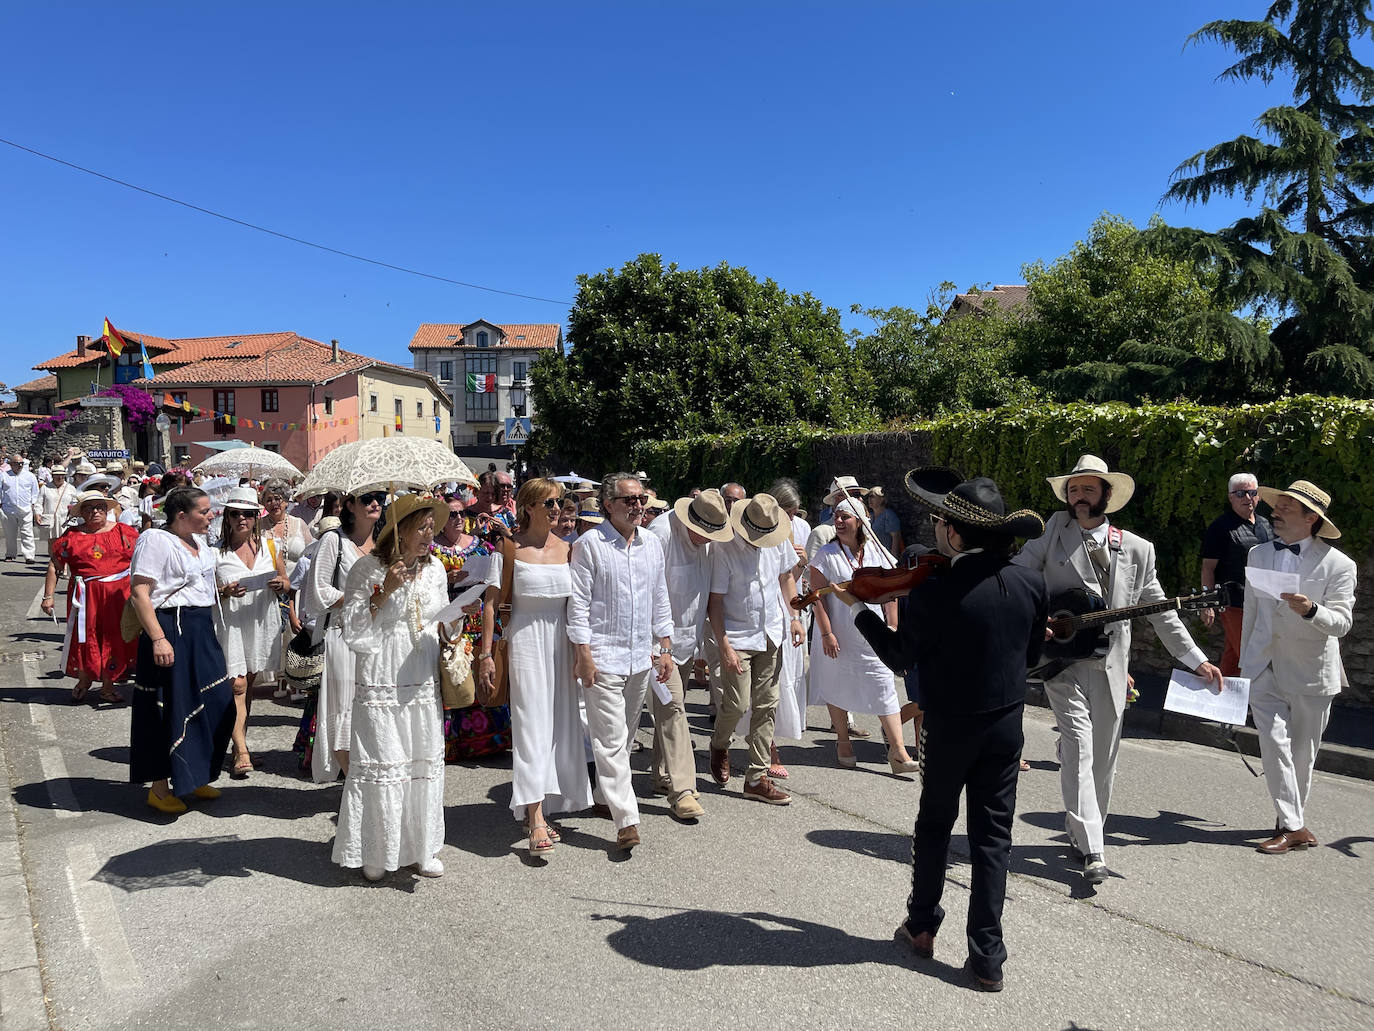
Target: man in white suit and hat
{"type": "Point", "coordinates": [1289, 650]}
{"type": "Point", "coordinates": [1080, 548]}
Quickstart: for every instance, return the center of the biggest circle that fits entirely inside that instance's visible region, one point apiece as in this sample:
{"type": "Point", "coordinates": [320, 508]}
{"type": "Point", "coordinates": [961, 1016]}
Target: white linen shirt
{"type": "Point", "coordinates": [688, 570]}
{"type": "Point", "coordinates": [619, 602]}
{"type": "Point", "coordinates": [18, 492]}
{"type": "Point", "coordinates": [748, 578]}
{"type": "Point", "coordinates": [179, 578]}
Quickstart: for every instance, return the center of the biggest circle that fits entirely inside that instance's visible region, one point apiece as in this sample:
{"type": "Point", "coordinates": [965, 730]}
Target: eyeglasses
{"type": "Point", "coordinates": [630, 500]}
{"type": "Point", "coordinates": [238, 513]}
{"type": "Point", "coordinates": [552, 503]}
{"type": "Point", "coordinates": [936, 520]}
{"type": "Point", "coordinates": [375, 497]}
{"type": "Point", "coordinates": [1244, 493]}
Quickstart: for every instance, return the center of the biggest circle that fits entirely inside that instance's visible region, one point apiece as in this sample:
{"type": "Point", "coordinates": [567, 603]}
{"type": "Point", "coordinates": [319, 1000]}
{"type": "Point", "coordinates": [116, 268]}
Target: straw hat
{"type": "Point", "coordinates": [658, 504]}
{"type": "Point", "coordinates": [1090, 465]}
{"type": "Point", "coordinates": [87, 496]}
{"type": "Point", "coordinates": [115, 468]}
{"type": "Point", "coordinates": [1311, 497]}
{"type": "Point", "coordinates": [705, 514]}
{"type": "Point", "coordinates": [761, 521]}
{"type": "Point", "coordinates": [976, 502]}
{"type": "Point", "coordinates": [847, 483]}
{"type": "Point", "coordinates": [590, 512]}
{"type": "Point", "coordinates": [326, 524]}
{"type": "Point", "coordinates": [100, 480]}
{"type": "Point", "coordinates": [85, 468]}
{"type": "Point", "coordinates": [407, 505]}
{"type": "Point", "coordinates": [243, 498]}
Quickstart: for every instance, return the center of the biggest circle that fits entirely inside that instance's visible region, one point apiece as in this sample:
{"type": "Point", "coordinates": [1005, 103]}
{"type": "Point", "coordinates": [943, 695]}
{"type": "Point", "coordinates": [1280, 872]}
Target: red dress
{"type": "Point", "coordinates": [95, 600]}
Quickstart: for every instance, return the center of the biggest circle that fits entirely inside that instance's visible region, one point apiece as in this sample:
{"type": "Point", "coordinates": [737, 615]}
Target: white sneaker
{"type": "Point", "coordinates": [373, 873]}
{"type": "Point", "coordinates": [430, 868]}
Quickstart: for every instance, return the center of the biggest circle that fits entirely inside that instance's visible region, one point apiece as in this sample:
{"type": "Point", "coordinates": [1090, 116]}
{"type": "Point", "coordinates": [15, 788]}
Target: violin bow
{"type": "Point", "coordinates": [868, 527]}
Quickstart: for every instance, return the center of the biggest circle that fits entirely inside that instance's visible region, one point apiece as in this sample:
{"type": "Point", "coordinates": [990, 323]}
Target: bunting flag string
{"type": "Point", "coordinates": [205, 415]}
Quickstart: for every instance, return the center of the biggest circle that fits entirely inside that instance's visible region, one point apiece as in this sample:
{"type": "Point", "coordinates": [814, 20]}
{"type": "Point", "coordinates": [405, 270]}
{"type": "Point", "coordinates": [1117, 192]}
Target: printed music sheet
{"type": "Point", "coordinates": [1271, 583]}
{"type": "Point", "coordinates": [1193, 696]}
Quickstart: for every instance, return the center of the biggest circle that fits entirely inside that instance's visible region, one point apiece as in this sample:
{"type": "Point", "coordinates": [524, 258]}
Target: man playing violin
{"type": "Point", "coordinates": [1082, 549]}
{"type": "Point", "coordinates": [971, 628]}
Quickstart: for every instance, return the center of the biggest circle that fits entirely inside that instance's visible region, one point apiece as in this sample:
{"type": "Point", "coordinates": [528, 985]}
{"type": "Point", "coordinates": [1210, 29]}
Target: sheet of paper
{"type": "Point", "coordinates": [661, 691]}
{"type": "Point", "coordinates": [1194, 696]}
{"type": "Point", "coordinates": [257, 582]}
{"type": "Point", "coordinates": [467, 594]}
{"type": "Point", "coordinates": [1271, 583]}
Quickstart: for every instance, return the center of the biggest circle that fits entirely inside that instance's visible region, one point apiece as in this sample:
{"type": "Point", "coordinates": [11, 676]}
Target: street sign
{"type": "Point", "coordinates": [518, 430]}
{"type": "Point", "coordinates": [102, 402]}
{"type": "Point", "coordinates": [108, 453]}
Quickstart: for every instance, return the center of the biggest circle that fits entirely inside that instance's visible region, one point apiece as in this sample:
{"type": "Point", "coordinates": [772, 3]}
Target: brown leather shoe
{"type": "Point", "coordinates": [1287, 841]}
{"type": "Point", "coordinates": [983, 984]}
{"type": "Point", "coordinates": [764, 790]}
{"type": "Point", "coordinates": [923, 944]}
{"type": "Point", "coordinates": [720, 766]}
{"type": "Point", "coordinates": [627, 837]}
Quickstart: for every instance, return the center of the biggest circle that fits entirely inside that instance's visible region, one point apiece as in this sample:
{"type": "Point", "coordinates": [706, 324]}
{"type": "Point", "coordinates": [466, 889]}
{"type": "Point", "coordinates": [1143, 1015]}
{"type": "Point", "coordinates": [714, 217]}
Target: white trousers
{"type": "Point", "coordinates": [19, 536]}
{"type": "Point", "coordinates": [1290, 729]}
{"type": "Point", "coordinates": [613, 706]}
{"type": "Point", "coordinates": [1089, 736]}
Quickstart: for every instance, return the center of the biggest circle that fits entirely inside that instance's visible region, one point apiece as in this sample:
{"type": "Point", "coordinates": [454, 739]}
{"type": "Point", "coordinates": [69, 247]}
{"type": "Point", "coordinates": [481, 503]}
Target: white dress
{"type": "Point", "coordinates": [856, 680]}
{"type": "Point", "coordinates": [292, 542]}
{"type": "Point", "coordinates": [334, 703]}
{"type": "Point", "coordinates": [548, 763]}
{"type": "Point", "coordinates": [392, 811]}
{"type": "Point", "coordinates": [249, 628]}
{"type": "Point", "coordinates": [790, 721]}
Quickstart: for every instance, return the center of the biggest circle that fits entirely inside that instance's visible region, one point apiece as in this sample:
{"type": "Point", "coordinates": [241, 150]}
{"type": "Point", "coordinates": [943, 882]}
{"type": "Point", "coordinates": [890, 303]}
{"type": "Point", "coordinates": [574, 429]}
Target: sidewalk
{"type": "Point", "coordinates": [1347, 746]}
{"type": "Point", "coordinates": [22, 1005]}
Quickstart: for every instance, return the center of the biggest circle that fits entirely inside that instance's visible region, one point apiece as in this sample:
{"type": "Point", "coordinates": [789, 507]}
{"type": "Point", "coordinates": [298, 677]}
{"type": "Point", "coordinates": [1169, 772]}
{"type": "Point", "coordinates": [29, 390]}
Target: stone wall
{"type": "Point", "coordinates": [92, 428]}
{"type": "Point", "coordinates": [884, 458]}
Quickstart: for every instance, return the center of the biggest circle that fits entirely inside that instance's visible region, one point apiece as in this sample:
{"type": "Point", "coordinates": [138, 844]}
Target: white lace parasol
{"type": "Point", "coordinates": [387, 463]}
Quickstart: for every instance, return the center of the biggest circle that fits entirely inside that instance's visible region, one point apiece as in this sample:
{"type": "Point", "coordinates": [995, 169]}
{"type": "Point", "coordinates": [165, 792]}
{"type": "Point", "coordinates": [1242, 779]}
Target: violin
{"type": "Point", "coordinates": [870, 583]}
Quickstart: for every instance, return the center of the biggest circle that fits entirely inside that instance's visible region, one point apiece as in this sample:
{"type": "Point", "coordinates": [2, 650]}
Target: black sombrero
{"type": "Point", "coordinates": [976, 502]}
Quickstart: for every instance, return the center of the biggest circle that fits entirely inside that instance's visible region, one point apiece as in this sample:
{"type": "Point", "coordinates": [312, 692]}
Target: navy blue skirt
{"type": "Point", "coordinates": [181, 715]}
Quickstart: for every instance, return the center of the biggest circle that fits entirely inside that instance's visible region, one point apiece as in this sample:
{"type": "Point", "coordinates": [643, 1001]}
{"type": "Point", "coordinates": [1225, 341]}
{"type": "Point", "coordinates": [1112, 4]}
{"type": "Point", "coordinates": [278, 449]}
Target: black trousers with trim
{"type": "Point", "coordinates": [978, 755]}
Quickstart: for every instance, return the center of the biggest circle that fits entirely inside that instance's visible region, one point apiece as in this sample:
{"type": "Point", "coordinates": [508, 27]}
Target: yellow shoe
{"type": "Point", "coordinates": [169, 804]}
{"type": "Point", "coordinates": [206, 791]}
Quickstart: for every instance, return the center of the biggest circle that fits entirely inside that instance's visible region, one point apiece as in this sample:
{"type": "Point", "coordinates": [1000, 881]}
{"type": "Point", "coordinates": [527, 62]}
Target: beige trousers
{"type": "Point", "coordinates": [756, 689]}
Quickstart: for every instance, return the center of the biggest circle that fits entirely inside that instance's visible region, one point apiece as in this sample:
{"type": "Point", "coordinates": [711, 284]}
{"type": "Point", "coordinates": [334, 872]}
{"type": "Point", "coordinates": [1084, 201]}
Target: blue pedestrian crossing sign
{"type": "Point", "coordinates": [518, 430]}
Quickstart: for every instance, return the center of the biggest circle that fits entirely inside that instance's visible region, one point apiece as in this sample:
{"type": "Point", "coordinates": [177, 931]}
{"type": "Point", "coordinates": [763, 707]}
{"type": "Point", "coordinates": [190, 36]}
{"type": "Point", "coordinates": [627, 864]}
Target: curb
{"type": "Point", "coordinates": [23, 1006]}
{"type": "Point", "coordinates": [1345, 760]}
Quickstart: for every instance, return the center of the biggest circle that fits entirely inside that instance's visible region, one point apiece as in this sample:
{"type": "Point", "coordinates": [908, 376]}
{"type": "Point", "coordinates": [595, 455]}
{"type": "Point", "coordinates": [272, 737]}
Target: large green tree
{"type": "Point", "coordinates": [1112, 321]}
{"type": "Point", "coordinates": [1307, 253]}
{"type": "Point", "coordinates": [656, 352]}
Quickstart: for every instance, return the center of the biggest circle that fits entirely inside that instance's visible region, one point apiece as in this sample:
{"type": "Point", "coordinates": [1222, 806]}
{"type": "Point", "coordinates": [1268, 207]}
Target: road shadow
{"type": "Point", "coordinates": [696, 939]}
{"type": "Point", "coordinates": [489, 831]}
{"type": "Point", "coordinates": [1168, 828]}
{"type": "Point", "coordinates": [195, 862]}
{"type": "Point", "coordinates": [116, 798]}
{"type": "Point", "coordinates": [1346, 846]}
{"type": "Point", "coordinates": [873, 844]}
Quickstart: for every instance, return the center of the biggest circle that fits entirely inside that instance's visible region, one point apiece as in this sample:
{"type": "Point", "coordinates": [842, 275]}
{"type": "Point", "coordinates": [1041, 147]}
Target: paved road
{"type": "Point", "coordinates": [232, 915]}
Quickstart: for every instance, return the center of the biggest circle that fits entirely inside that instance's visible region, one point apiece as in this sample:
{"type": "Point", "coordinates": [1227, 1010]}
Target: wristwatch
{"type": "Point", "coordinates": [660, 651]}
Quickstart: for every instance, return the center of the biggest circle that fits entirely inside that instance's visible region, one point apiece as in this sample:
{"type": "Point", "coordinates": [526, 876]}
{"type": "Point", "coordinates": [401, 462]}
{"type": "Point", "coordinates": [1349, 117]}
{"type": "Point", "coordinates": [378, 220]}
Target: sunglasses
{"type": "Point", "coordinates": [631, 500]}
{"type": "Point", "coordinates": [1244, 493]}
{"type": "Point", "coordinates": [552, 503]}
{"type": "Point", "coordinates": [936, 520]}
{"type": "Point", "coordinates": [374, 497]}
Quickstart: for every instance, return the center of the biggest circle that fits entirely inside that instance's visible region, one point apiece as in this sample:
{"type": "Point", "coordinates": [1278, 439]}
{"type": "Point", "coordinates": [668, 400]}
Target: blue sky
{"type": "Point", "coordinates": [860, 152]}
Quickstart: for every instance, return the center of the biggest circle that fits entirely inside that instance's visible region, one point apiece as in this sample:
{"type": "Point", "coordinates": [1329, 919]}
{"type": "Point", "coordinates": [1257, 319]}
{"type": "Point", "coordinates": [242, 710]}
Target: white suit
{"type": "Point", "coordinates": [1294, 667]}
{"type": "Point", "coordinates": [1089, 698]}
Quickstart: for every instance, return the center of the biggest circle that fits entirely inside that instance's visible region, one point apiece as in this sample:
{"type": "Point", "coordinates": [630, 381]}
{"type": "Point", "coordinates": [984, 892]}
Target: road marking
{"type": "Point", "coordinates": [98, 920]}
{"type": "Point", "coordinates": [59, 788]}
{"type": "Point", "coordinates": [35, 611]}
{"type": "Point", "coordinates": [41, 719]}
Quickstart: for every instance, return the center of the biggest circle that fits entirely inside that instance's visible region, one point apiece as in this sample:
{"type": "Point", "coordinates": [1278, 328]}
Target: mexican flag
{"type": "Point", "coordinates": [481, 384]}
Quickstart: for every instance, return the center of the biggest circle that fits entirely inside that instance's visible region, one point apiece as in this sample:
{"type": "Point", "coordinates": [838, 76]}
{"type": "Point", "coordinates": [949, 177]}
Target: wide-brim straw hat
{"type": "Point", "coordinates": [406, 506]}
{"type": "Point", "coordinates": [976, 502]}
{"type": "Point", "coordinates": [117, 468]}
{"type": "Point", "coordinates": [1090, 465]}
{"type": "Point", "coordinates": [245, 499]}
{"type": "Point", "coordinates": [848, 483]}
{"type": "Point", "coordinates": [706, 515]}
{"type": "Point", "coordinates": [590, 512]}
{"type": "Point", "coordinates": [100, 480]}
{"type": "Point", "coordinates": [761, 521]}
{"type": "Point", "coordinates": [1311, 497]}
{"type": "Point", "coordinates": [657, 504]}
{"type": "Point", "coordinates": [90, 495]}
{"type": "Point", "coordinates": [85, 468]}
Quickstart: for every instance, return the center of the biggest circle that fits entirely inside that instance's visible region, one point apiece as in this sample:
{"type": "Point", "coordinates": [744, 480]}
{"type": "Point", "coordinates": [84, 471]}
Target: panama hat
{"type": "Point", "coordinates": [87, 496]}
{"type": "Point", "coordinates": [590, 512]}
{"type": "Point", "coordinates": [99, 480]}
{"type": "Point", "coordinates": [245, 499]}
{"type": "Point", "coordinates": [406, 506]}
{"type": "Point", "coordinates": [840, 484]}
{"type": "Point", "coordinates": [1311, 497]}
{"type": "Point", "coordinates": [976, 502]}
{"type": "Point", "coordinates": [1090, 465]}
{"type": "Point", "coordinates": [705, 514]}
{"type": "Point", "coordinates": [761, 521]}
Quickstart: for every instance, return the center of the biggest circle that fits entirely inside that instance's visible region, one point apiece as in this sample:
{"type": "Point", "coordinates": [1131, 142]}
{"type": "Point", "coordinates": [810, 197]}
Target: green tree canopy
{"type": "Point", "coordinates": [1307, 253]}
{"type": "Point", "coordinates": [660, 352]}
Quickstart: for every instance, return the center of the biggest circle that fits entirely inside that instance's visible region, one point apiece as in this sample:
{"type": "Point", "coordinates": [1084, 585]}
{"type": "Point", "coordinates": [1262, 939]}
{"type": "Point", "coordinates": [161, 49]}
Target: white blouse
{"type": "Point", "coordinates": [179, 577]}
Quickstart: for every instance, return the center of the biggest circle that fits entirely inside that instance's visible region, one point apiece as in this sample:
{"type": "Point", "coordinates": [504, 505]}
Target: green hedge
{"type": "Point", "coordinates": [1181, 456]}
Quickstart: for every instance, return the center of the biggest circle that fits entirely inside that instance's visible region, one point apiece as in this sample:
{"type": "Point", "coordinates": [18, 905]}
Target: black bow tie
{"type": "Point", "coordinates": [1280, 546]}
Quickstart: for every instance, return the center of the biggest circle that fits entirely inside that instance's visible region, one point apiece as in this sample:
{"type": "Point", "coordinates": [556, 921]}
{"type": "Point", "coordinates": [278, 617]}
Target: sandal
{"type": "Point", "coordinates": [540, 844]}
{"type": "Point", "coordinates": [1025, 766]}
{"type": "Point", "coordinates": [79, 694]}
{"type": "Point", "coordinates": [554, 836]}
{"type": "Point", "coordinates": [243, 766]}
{"type": "Point", "coordinates": [112, 697]}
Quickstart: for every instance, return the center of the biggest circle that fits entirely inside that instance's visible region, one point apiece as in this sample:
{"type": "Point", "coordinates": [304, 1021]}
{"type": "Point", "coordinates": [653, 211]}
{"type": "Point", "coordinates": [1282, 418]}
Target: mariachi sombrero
{"type": "Point", "coordinates": [976, 502]}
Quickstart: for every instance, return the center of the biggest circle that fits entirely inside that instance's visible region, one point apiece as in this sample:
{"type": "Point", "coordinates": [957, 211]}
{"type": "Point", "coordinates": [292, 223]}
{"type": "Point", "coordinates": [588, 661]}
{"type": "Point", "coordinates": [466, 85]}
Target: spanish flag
{"type": "Point", "coordinates": [113, 340]}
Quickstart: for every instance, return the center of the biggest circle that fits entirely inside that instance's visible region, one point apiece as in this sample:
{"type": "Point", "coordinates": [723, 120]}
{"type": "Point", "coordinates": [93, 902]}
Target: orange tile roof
{"type": "Point", "coordinates": [40, 385]}
{"type": "Point", "coordinates": [184, 349]}
{"type": "Point", "coordinates": [436, 336]}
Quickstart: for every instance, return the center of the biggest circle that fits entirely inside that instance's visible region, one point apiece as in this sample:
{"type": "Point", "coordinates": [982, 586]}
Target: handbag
{"type": "Point", "coordinates": [499, 694]}
{"type": "Point", "coordinates": [304, 661]}
{"type": "Point", "coordinates": [457, 686]}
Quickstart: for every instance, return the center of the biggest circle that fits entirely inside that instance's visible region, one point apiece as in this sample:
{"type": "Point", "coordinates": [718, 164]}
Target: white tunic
{"type": "Point", "coordinates": [249, 628]}
{"type": "Point", "coordinates": [392, 811]}
{"type": "Point", "coordinates": [856, 680]}
{"type": "Point", "coordinates": [334, 703]}
{"type": "Point", "coordinates": [790, 720]}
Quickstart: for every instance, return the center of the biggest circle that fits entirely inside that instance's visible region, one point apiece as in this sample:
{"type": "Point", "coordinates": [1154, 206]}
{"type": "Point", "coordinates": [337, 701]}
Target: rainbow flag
{"type": "Point", "coordinates": [113, 340]}
{"type": "Point", "coordinates": [481, 384]}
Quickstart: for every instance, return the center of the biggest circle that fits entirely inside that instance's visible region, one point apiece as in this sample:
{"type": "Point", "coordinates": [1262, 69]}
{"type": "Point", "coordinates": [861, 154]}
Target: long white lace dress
{"type": "Point", "coordinates": [248, 628]}
{"type": "Point", "coordinates": [392, 811]}
{"type": "Point", "coordinates": [548, 763]}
